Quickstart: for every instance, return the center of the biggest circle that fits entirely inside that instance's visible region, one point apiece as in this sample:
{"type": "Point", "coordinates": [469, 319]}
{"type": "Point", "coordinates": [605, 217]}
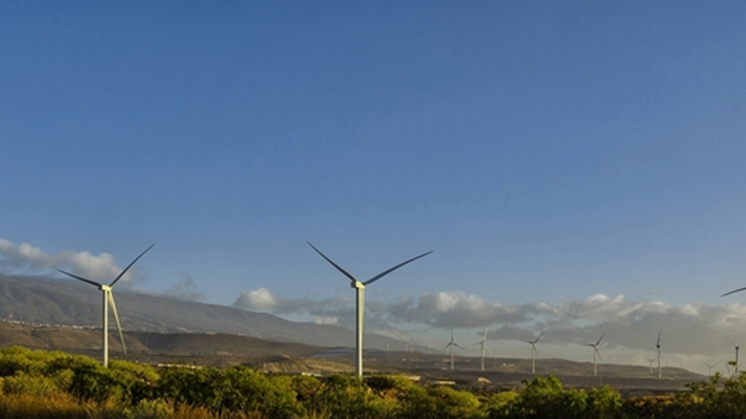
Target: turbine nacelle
{"type": "Point", "coordinates": [109, 300]}
{"type": "Point", "coordinates": [359, 286]}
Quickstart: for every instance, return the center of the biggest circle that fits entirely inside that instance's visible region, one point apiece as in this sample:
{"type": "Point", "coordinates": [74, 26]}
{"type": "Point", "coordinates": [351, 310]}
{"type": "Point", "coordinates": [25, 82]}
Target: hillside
{"type": "Point", "coordinates": [64, 302]}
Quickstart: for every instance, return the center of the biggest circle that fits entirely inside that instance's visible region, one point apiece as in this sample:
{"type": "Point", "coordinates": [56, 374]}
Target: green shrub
{"type": "Point", "coordinates": [152, 409]}
{"type": "Point", "coordinates": [499, 404]}
{"type": "Point", "coordinates": [194, 387]}
{"type": "Point", "coordinates": [12, 364]}
{"type": "Point", "coordinates": [27, 384]}
{"type": "Point", "coordinates": [248, 390]}
{"type": "Point", "coordinates": [455, 404]}
{"type": "Point", "coordinates": [94, 383]}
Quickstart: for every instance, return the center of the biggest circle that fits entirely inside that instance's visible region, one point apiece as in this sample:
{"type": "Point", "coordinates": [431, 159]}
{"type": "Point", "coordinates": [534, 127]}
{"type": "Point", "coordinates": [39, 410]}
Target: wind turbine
{"type": "Point", "coordinates": [595, 351]}
{"type": "Point", "coordinates": [109, 299]}
{"type": "Point", "coordinates": [360, 300]}
{"type": "Point", "coordinates": [709, 367]}
{"type": "Point", "coordinates": [658, 349]}
{"type": "Point", "coordinates": [650, 361]}
{"type": "Point", "coordinates": [534, 352]}
{"type": "Point", "coordinates": [450, 346]}
{"type": "Point", "coordinates": [735, 373]}
{"type": "Point", "coordinates": [482, 346]}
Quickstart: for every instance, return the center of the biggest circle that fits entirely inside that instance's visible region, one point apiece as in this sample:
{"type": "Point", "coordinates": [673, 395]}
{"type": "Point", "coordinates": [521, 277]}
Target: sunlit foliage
{"type": "Point", "coordinates": [37, 384]}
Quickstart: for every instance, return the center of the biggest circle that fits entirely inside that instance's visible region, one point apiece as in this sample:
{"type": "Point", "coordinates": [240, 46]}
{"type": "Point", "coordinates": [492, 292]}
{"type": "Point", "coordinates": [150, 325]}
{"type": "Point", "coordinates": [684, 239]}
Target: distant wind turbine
{"type": "Point", "coordinates": [709, 367]}
{"type": "Point", "coordinates": [482, 347]}
{"type": "Point", "coordinates": [109, 298]}
{"type": "Point", "coordinates": [737, 346]}
{"type": "Point", "coordinates": [596, 352]}
{"type": "Point", "coordinates": [534, 352]}
{"type": "Point", "coordinates": [650, 361]}
{"type": "Point", "coordinates": [658, 350]}
{"type": "Point", "coordinates": [452, 344]}
{"type": "Point", "coordinates": [360, 300]}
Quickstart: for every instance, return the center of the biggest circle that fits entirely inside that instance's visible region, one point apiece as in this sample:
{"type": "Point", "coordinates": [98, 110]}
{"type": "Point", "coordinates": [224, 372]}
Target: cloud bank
{"type": "Point", "coordinates": [25, 257]}
{"type": "Point", "coordinates": [688, 329]}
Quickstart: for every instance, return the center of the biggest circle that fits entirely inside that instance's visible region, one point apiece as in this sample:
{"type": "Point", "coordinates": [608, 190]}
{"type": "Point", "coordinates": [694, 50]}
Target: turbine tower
{"type": "Point", "coordinates": [483, 346]}
{"type": "Point", "coordinates": [658, 349]}
{"type": "Point", "coordinates": [735, 373]}
{"type": "Point", "coordinates": [595, 352]}
{"type": "Point", "coordinates": [709, 367]}
{"type": "Point", "coordinates": [360, 300]}
{"type": "Point", "coordinates": [450, 347]}
{"type": "Point", "coordinates": [534, 352]}
{"type": "Point", "coordinates": [737, 347]}
{"type": "Point", "coordinates": [109, 299]}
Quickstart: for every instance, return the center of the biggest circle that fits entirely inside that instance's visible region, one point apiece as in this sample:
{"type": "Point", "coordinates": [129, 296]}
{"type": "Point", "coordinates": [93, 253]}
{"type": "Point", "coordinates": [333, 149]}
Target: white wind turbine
{"type": "Point", "coordinates": [709, 367]}
{"type": "Point", "coordinates": [660, 357]}
{"type": "Point", "coordinates": [650, 362]}
{"type": "Point", "coordinates": [734, 344]}
{"type": "Point", "coordinates": [452, 344]}
{"type": "Point", "coordinates": [534, 352]}
{"type": "Point", "coordinates": [482, 347]}
{"type": "Point", "coordinates": [737, 346]}
{"type": "Point", "coordinates": [595, 352]}
{"type": "Point", "coordinates": [360, 300]}
{"type": "Point", "coordinates": [109, 299]}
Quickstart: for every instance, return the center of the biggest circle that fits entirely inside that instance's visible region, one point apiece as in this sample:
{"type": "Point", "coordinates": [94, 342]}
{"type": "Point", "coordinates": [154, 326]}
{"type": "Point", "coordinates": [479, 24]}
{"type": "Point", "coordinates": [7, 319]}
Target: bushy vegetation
{"type": "Point", "coordinates": [40, 385]}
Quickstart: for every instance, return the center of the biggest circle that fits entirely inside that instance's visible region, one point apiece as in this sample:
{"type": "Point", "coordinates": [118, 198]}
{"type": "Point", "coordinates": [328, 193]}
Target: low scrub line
{"type": "Point", "coordinates": [41, 384]}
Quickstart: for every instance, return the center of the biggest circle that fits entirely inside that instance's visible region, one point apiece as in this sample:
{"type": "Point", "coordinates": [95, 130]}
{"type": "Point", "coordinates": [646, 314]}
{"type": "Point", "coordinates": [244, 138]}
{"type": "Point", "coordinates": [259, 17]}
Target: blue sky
{"type": "Point", "coordinates": [546, 152]}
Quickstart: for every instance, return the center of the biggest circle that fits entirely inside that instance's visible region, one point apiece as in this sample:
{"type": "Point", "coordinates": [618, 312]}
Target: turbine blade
{"type": "Point", "coordinates": [388, 271]}
{"type": "Point", "coordinates": [80, 278]}
{"type": "Point", "coordinates": [536, 351]}
{"type": "Point", "coordinates": [734, 291]}
{"type": "Point", "coordinates": [659, 338]}
{"type": "Point", "coordinates": [459, 346]}
{"type": "Point", "coordinates": [488, 349]}
{"type": "Point", "coordinates": [599, 353]}
{"type": "Point", "coordinates": [447, 346]}
{"type": "Point", "coordinates": [116, 318]}
{"type": "Point", "coordinates": [540, 335]}
{"type": "Point", "coordinates": [734, 343]}
{"type": "Point", "coordinates": [339, 268]}
{"type": "Point", "coordinates": [599, 339]}
{"type": "Point", "coordinates": [130, 265]}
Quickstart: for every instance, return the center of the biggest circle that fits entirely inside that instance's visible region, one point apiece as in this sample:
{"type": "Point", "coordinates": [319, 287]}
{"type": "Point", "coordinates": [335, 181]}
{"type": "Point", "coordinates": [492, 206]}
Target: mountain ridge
{"type": "Point", "coordinates": [41, 300]}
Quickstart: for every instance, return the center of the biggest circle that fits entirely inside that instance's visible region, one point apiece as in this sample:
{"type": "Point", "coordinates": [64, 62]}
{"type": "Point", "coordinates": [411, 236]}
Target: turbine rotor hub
{"type": "Point", "coordinates": [358, 285]}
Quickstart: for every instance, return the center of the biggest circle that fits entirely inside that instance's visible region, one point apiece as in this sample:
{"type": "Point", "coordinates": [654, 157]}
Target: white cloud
{"type": "Point", "coordinates": [691, 332]}
{"type": "Point", "coordinates": [25, 257]}
{"type": "Point", "coordinates": [325, 320]}
{"type": "Point", "coordinates": [261, 299]}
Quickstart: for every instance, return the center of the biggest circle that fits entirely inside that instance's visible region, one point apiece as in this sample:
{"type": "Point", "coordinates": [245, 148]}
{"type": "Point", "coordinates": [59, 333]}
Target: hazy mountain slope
{"type": "Point", "coordinates": [64, 302]}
